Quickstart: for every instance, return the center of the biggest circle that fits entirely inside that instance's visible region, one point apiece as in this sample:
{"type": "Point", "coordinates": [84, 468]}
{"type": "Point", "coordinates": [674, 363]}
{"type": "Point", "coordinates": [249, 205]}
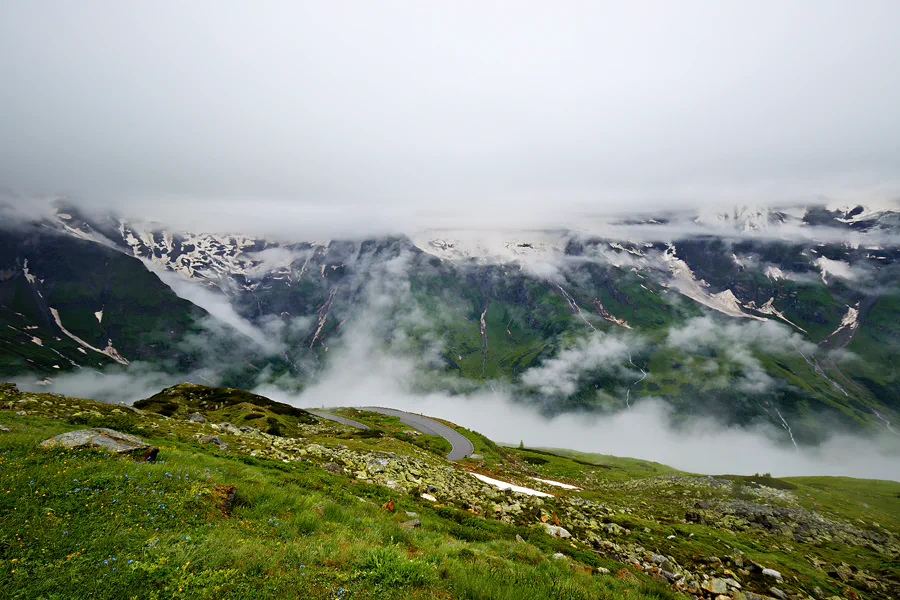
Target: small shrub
{"type": "Point", "coordinates": [386, 567]}
{"type": "Point", "coordinates": [122, 423]}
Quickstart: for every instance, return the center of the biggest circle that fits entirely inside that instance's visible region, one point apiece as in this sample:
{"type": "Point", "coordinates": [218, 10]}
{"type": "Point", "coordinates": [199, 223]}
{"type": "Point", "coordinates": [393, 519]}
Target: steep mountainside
{"type": "Point", "coordinates": [69, 303]}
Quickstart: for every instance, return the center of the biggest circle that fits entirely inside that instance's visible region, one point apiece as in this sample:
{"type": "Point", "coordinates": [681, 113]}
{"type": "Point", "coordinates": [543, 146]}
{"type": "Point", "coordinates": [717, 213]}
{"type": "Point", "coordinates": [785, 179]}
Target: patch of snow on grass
{"type": "Point", "coordinates": [503, 485]}
{"type": "Point", "coordinates": [560, 484]}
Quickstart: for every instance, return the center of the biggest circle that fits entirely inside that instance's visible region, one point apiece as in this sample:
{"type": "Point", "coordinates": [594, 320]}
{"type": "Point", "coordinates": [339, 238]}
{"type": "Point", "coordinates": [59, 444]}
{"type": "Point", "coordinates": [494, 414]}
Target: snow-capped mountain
{"type": "Point", "coordinates": [809, 297]}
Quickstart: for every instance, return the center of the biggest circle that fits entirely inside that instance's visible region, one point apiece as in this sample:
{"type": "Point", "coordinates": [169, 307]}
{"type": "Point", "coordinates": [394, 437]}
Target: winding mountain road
{"type": "Point", "coordinates": [462, 447]}
{"type": "Point", "coordinates": [344, 420]}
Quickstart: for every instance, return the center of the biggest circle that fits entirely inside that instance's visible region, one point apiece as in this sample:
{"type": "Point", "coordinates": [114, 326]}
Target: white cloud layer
{"type": "Point", "coordinates": [398, 115]}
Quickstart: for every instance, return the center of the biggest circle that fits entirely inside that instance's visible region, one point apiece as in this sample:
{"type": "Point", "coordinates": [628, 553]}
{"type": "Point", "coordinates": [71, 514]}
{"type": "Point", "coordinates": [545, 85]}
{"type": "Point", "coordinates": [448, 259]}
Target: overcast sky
{"type": "Point", "coordinates": [511, 113]}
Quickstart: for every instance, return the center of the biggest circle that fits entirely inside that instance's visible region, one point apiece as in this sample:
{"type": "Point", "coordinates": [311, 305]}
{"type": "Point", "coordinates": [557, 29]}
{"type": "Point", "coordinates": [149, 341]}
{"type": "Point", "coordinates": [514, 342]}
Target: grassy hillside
{"type": "Point", "coordinates": [327, 511]}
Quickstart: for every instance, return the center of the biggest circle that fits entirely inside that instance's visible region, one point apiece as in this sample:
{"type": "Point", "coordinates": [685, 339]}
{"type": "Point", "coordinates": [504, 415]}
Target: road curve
{"type": "Point", "coordinates": [344, 420]}
{"type": "Point", "coordinates": [462, 447]}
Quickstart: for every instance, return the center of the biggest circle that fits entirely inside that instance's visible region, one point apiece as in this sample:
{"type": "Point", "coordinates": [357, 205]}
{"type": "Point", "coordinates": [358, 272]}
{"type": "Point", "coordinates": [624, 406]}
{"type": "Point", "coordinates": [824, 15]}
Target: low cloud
{"type": "Point", "coordinates": [560, 375]}
{"type": "Point", "coordinates": [698, 445]}
{"type": "Point", "coordinates": [737, 341]}
{"type": "Point", "coordinates": [217, 305]}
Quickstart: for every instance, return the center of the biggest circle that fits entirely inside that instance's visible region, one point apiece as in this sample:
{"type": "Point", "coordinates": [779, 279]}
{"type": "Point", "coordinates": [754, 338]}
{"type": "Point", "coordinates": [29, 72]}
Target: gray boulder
{"type": "Point", "coordinates": [196, 418]}
{"type": "Point", "coordinates": [556, 531]}
{"type": "Point", "coordinates": [104, 439]}
{"type": "Point", "coordinates": [211, 439]}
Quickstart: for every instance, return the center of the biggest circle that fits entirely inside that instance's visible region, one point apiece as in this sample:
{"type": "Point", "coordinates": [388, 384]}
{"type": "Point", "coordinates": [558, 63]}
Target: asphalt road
{"type": "Point", "coordinates": [462, 447]}
{"type": "Point", "coordinates": [345, 421]}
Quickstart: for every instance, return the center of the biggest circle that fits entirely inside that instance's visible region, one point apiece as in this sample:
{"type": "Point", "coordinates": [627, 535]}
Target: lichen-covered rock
{"type": "Point", "coordinates": [196, 418]}
{"type": "Point", "coordinates": [556, 531]}
{"type": "Point", "coordinates": [108, 440]}
{"type": "Point", "coordinates": [715, 586]}
{"type": "Point", "coordinates": [332, 467]}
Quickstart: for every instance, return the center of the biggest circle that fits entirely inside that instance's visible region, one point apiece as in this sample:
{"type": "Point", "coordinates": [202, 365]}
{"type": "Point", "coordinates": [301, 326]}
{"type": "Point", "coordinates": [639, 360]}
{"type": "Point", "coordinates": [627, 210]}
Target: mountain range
{"type": "Point", "coordinates": [782, 316]}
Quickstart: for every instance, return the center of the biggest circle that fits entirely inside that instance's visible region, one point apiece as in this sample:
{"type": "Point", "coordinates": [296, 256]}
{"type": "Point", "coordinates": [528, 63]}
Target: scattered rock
{"type": "Point", "coordinates": [3, 428]}
{"type": "Point", "coordinates": [429, 497]}
{"type": "Point", "coordinates": [556, 531]}
{"type": "Point", "coordinates": [410, 513]}
{"type": "Point", "coordinates": [695, 516]}
{"type": "Point", "coordinates": [520, 539]}
{"type": "Point", "coordinates": [772, 573]}
{"type": "Point", "coordinates": [412, 523]}
{"type": "Point", "coordinates": [602, 571]}
{"type": "Point", "coordinates": [777, 593]}
{"type": "Point", "coordinates": [715, 586]}
{"type": "Point", "coordinates": [104, 439]}
{"type": "Point", "coordinates": [226, 495]}
{"type": "Point", "coordinates": [196, 418]}
{"type": "Point", "coordinates": [211, 439]}
{"type": "Point", "coordinates": [559, 556]}
{"type": "Point", "coordinates": [332, 467]}
{"type": "Point", "coordinates": [21, 413]}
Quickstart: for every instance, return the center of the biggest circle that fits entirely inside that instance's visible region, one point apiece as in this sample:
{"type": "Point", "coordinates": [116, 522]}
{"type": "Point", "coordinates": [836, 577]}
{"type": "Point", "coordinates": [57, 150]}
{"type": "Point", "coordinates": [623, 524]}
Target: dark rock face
{"type": "Point", "coordinates": [104, 439]}
{"type": "Point", "coordinates": [332, 467]}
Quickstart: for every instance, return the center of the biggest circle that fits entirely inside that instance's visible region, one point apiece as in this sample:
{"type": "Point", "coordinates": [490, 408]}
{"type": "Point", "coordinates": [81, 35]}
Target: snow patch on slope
{"type": "Point", "coordinates": [504, 485]}
{"type": "Point", "coordinates": [684, 280]}
{"type": "Point", "coordinates": [850, 320]}
{"type": "Point", "coordinates": [28, 276]}
{"type": "Point", "coordinates": [558, 484]}
{"type": "Point", "coordinates": [109, 351]}
{"type": "Point", "coordinates": [769, 309]}
{"type": "Point", "coordinates": [837, 268]}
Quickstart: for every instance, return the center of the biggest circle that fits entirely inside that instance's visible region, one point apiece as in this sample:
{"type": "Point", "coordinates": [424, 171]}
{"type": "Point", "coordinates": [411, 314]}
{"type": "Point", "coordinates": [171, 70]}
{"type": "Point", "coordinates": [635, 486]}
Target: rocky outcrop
{"type": "Point", "coordinates": [104, 439]}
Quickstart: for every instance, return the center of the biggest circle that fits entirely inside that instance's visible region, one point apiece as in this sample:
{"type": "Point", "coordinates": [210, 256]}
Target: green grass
{"type": "Point", "coordinates": [573, 464]}
{"type": "Point", "coordinates": [80, 524]}
{"type": "Point", "coordinates": [297, 530]}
